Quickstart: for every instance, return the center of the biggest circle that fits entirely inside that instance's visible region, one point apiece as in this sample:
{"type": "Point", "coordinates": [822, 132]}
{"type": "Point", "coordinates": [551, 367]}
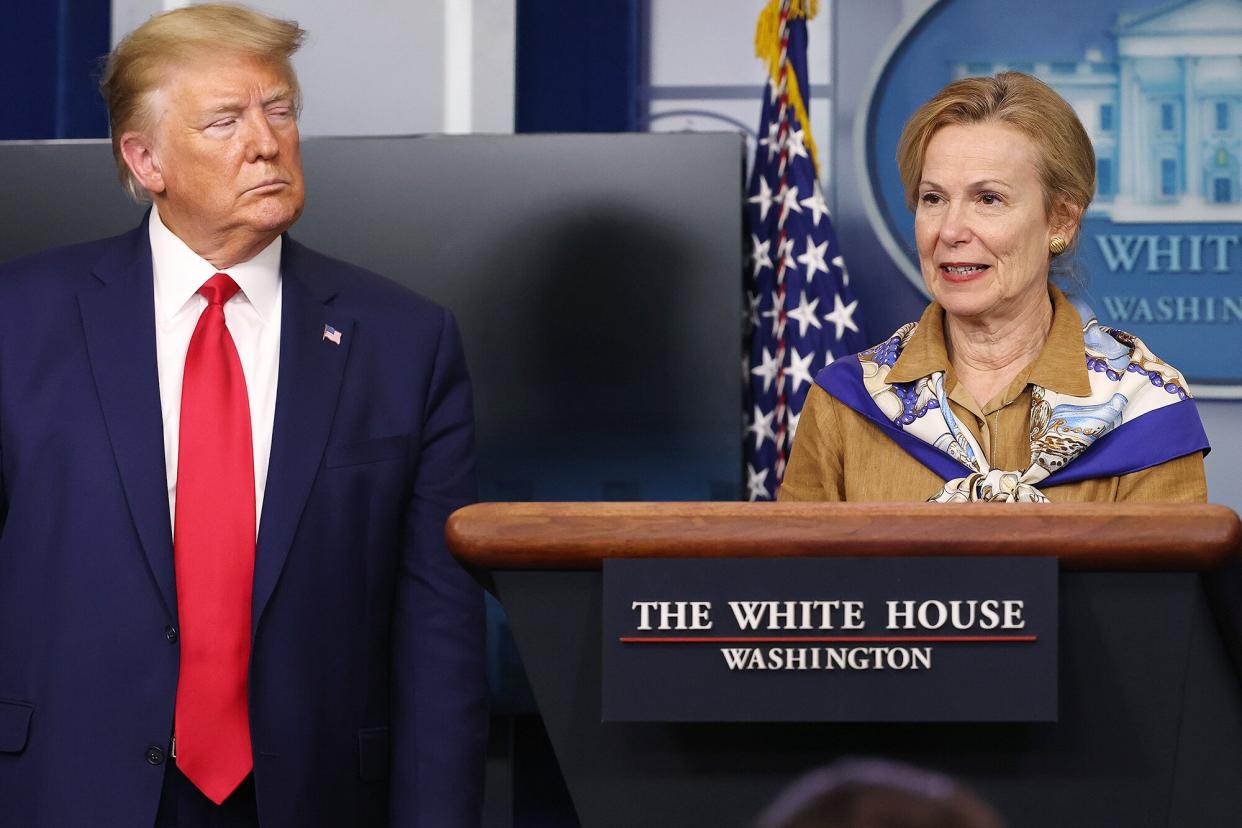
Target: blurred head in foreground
{"type": "Point", "coordinates": [872, 793]}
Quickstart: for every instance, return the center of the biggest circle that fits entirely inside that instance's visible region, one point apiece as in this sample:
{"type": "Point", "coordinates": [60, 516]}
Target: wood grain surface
{"type": "Point", "coordinates": [500, 536]}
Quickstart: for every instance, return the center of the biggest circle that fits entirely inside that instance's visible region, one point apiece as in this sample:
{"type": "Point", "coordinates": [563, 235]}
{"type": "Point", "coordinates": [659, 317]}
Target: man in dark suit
{"type": "Point", "coordinates": [225, 466]}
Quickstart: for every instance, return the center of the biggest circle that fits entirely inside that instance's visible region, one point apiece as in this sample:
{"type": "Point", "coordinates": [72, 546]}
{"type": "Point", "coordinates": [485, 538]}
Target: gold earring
{"type": "Point", "coordinates": [1057, 245]}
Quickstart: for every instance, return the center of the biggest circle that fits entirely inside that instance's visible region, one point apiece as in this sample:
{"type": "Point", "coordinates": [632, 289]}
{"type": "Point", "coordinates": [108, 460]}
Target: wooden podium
{"type": "Point", "coordinates": [1150, 702]}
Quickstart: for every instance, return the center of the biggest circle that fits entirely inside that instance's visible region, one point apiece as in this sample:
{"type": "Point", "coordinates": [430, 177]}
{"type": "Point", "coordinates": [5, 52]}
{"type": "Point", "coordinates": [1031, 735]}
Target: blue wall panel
{"type": "Point", "coordinates": [577, 66]}
{"type": "Point", "coordinates": [50, 59]}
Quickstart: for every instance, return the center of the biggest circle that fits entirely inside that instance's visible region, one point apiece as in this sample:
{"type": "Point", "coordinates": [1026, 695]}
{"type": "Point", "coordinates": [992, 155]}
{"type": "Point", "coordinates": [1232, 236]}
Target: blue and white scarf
{"type": "Point", "coordinates": [1139, 414]}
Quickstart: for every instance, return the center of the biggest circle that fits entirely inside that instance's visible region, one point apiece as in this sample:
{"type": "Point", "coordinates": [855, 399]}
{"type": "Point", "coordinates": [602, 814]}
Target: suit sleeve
{"type": "Point", "coordinates": [439, 701]}
{"type": "Point", "coordinates": [4, 497]}
{"type": "Point", "coordinates": [4, 493]}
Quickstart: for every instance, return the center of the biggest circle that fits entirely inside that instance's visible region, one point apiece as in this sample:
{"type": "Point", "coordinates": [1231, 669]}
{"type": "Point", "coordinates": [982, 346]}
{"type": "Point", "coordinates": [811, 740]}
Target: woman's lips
{"type": "Point", "coordinates": [963, 271]}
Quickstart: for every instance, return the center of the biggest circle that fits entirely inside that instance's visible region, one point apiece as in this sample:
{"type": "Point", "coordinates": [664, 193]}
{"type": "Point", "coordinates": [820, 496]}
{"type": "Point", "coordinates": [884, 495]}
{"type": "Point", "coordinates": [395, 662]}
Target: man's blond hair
{"type": "Point", "coordinates": [141, 62]}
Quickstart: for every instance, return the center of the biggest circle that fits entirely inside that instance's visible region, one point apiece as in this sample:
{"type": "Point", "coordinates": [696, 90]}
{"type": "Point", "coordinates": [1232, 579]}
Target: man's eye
{"type": "Point", "coordinates": [223, 122]}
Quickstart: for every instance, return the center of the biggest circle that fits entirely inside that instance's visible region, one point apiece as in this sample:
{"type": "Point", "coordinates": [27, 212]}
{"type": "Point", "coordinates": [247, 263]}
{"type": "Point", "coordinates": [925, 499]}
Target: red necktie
{"type": "Point", "coordinates": [213, 543]}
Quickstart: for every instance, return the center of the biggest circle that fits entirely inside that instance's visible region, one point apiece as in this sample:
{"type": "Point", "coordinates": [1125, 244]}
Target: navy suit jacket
{"type": "Point", "coordinates": [367, 689]}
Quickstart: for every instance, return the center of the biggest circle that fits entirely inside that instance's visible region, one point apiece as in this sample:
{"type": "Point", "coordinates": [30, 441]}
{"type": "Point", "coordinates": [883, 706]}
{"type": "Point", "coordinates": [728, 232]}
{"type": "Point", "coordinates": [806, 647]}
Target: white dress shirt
{"type": "Point", "coordinates": [253, 320]}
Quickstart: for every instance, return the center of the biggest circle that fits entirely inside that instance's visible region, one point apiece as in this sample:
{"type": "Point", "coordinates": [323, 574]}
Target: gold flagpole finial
{"type": "Point", "coordinates": [768, 49]}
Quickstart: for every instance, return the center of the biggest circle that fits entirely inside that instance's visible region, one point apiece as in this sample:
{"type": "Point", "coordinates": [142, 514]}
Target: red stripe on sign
{"type": "Point", "coordinates": [833, 639]}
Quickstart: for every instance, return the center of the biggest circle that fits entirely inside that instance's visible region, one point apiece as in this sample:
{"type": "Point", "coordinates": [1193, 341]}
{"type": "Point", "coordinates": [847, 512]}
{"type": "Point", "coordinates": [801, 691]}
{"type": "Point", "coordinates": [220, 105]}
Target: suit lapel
{"type": "Point", "coordinates": [311, 369]}
{"type": "Point", "coordinates": [118, 318]}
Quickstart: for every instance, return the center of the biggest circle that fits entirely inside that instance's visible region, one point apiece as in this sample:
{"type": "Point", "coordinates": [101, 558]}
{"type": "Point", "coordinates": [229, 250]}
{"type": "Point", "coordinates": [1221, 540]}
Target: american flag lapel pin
{"type": "Point", "coordinates": [332, 334]}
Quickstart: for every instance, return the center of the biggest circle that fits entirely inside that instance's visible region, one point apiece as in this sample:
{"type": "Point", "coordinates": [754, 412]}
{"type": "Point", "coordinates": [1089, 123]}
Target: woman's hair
{"type": "Point", "coordinates": [140, 63]}
{"type": "Point", "coordinates": [1066, 163]}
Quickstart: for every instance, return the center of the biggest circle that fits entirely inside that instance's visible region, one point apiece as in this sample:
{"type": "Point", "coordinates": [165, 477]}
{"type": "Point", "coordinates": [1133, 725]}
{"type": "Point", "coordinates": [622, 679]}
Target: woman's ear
{"type": "Point", "coordinates": [1066, 221]}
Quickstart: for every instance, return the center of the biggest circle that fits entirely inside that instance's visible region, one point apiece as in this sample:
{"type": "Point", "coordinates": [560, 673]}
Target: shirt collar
{"type": "Point", "coordinates": [179, 272]}
{"type": "Point", "coordinates": [1061, 365]}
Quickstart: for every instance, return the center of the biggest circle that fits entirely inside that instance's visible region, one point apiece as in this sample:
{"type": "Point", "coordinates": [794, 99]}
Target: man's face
{"type": "Point", "coordinates": [226, 144]}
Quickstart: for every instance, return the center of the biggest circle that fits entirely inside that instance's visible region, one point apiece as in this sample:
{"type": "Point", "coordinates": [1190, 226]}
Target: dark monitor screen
{"type": "Point", "coordinates": [596, 280]}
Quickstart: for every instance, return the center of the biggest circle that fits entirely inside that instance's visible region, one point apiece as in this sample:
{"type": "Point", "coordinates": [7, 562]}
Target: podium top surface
{"type": "Point", "coordinates": [1114, 536]}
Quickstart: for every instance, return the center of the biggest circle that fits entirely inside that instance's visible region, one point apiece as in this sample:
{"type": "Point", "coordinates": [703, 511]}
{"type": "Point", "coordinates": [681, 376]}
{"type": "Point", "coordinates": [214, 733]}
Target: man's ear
{"type": "Point", "coordinates": [140, 156]}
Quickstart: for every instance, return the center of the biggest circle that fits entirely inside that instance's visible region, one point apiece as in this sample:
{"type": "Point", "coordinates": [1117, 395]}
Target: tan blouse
{"type": "Point", "coordinates": [839, 455]}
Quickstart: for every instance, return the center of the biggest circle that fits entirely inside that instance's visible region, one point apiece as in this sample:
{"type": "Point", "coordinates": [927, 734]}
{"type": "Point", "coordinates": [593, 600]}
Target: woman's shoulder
{"type": "Point", "coordinates": [883, 355]}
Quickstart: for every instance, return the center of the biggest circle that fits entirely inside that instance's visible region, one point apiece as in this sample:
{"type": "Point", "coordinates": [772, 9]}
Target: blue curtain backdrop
{"type": "Point", "coordinates": [50, 53]}
{"type": "Point", "coordinates": [578, 65]}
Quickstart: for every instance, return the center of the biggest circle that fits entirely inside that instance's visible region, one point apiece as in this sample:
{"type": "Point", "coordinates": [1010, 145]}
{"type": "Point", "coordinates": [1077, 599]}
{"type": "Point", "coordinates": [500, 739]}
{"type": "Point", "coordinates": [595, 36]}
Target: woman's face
{"type": "Point", "coordinates": [979, 223]}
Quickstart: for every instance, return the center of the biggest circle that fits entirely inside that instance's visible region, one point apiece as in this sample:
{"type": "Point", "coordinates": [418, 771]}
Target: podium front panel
{"type": "Point", "coordinates": [1150, 729]}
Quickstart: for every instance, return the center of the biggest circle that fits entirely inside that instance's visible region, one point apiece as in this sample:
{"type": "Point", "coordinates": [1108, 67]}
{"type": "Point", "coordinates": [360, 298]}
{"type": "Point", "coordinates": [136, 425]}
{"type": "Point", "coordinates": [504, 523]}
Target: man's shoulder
{"type": "Point", "coordinates": [58, 268]}
{"type": "Point", "coordinates": [355, 288]}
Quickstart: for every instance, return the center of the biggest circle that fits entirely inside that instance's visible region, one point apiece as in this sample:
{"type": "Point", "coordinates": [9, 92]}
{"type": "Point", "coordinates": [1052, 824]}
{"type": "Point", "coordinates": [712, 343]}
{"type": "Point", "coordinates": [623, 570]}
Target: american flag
{"type": "Point", "coordinates": [801, 313]}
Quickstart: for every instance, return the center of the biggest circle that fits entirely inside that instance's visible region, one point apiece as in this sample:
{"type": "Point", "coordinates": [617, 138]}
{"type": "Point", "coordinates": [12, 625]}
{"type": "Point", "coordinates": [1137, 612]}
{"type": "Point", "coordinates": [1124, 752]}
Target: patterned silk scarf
{"type": "Point", "coordinates": [1139, 414]}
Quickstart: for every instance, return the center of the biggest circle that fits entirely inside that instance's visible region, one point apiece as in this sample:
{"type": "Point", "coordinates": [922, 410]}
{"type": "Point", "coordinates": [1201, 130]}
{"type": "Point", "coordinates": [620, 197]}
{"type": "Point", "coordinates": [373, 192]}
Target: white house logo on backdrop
{"type": "Point", "coordinates": [1164, 116]}
{"type": "Point", "coordinates": [1159, 90]}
